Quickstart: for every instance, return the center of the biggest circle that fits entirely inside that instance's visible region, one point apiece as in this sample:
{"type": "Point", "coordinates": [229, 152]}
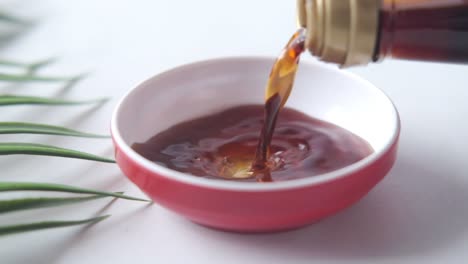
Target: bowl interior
{"type": "Point", "coordinates": [206, 87]}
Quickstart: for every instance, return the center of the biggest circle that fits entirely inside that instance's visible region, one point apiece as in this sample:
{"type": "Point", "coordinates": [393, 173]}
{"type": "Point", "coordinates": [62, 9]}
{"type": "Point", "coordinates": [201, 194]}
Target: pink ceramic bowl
{"type": "Point", "coordinates": [202, 88]}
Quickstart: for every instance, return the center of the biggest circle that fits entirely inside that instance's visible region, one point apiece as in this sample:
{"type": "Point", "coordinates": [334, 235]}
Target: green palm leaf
{"type": "Point", "coordinates": [4, 17]}
{"type": "Point", "coordinates": [29, 67]}
{"type": "Point", "coordinates": [13, 229]}
{"type": "Point", "coordinates": [36, 64]}
{"type": "Point", "coordinates": [33, 67]}
{"type": "Point", "coordinates": [52, 187]}
{"type": "Point", "coordinates": [13, 148]}
{"type": "Point", "coordinates": [41, 202]}
{"type": "Point", "coordinates": [33, 128]}
{"type": "Point", "coordinates": [21, 100]}
{"type": "Point", "coordinates": [33, 78]}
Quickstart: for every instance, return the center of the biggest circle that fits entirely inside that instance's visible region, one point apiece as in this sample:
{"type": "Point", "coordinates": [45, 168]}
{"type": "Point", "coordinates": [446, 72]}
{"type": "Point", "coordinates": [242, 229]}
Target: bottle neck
{"type": "Point", "coordinates": [340, 31]}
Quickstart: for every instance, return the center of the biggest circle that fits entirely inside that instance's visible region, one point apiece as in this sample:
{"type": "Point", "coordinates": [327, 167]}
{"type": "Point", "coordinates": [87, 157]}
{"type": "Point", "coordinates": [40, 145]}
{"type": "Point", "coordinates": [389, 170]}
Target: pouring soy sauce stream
{"type": "Point", "coordinates": [278, 89]}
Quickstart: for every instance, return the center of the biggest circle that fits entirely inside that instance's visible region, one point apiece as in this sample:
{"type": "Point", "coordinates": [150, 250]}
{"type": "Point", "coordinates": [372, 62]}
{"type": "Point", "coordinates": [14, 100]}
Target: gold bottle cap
{"type": "Point", "coordinates": [340, 31]}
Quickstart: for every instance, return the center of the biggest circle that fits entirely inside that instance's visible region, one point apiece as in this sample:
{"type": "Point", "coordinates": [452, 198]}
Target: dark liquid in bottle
{"type": "Point", "coordinates": [431, 30]}
{"type": "Point", "coordinates": [224, 145]}
{"type": "Point", "coordinates": [229, 144]}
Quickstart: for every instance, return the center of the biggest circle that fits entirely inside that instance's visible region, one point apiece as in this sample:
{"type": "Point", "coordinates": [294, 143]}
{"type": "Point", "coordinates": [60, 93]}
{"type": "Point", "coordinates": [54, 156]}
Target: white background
{"type": "Point", "coordinates": [418, 214]}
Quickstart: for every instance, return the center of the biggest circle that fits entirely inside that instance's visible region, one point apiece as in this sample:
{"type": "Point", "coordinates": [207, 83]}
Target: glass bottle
{"type": "Point", "coordinates": [353, 32]}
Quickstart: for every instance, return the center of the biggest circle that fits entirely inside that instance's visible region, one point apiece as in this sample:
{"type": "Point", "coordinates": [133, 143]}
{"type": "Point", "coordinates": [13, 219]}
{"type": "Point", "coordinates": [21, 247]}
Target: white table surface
{"type": "Point", "coordinates": [417, 214]}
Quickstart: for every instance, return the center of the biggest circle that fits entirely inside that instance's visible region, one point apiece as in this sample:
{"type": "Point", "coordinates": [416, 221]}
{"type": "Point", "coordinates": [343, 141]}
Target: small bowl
{"type": "Point", "coordinates": [207, 87]}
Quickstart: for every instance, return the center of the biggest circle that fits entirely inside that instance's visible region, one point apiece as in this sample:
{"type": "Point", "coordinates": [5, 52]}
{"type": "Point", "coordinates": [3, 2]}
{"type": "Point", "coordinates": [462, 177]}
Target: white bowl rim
{"type": "Point", "coordinates": [248, 186]}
